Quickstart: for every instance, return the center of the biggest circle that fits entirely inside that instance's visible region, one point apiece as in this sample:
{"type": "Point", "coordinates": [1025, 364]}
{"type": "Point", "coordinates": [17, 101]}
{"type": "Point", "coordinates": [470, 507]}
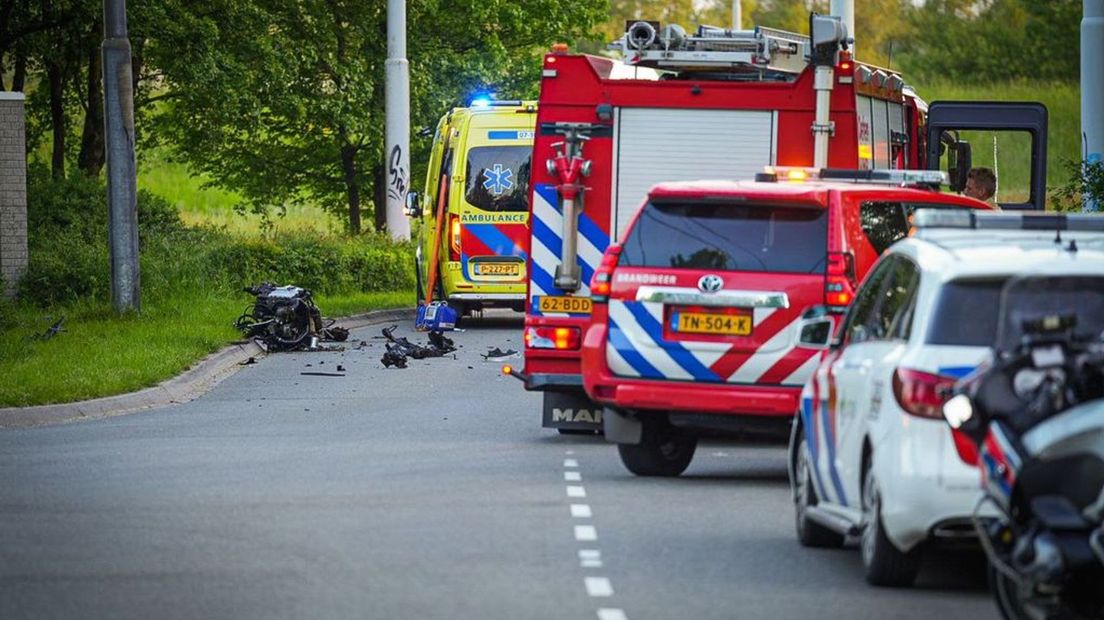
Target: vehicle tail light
{"type": "Point", "coordinates": [967, 449]}
{"type": "Point", "coordinates": [603, 276]}
{"type": "Point", "coordinates": [839, 285]}
{"type": "Point", "coordinates": [922, 393]}
{"type": "Point", "coordinates": [454, 238]}
{"type": "Point", "coordinates": [558, 338]}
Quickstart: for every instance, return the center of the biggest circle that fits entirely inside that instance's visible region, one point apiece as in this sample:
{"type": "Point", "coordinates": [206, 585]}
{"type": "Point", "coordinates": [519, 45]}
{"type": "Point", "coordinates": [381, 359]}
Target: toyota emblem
{"type": "Point", "coordinates": [710, 283]}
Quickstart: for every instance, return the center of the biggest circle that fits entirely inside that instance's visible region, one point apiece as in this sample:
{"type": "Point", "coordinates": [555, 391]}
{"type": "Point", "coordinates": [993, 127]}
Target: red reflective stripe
{"type": "Point", "coordinates": [472, 245]}
{"type": "Point", "coordinates": [729, 363]}
{"type": "Point", "coordinates": [787, 365]}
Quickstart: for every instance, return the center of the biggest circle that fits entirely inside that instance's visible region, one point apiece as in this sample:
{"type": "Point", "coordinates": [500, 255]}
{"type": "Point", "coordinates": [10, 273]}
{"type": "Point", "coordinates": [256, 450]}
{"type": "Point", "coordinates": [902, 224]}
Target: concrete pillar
{"type": "Point", "coordinates": [845, 9]}
{"type": "Point", "coordinates": [1092, 86]}
{"type": "Point", "coordinates": [13, 191]}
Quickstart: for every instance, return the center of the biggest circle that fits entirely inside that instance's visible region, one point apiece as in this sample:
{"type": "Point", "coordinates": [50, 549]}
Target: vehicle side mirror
{"type": "Point", "coordinates": [413, 204]}
{"type": "Point", "coordinates": [815, 333]}
{"type": "Point", "coordinates": [963, 162]}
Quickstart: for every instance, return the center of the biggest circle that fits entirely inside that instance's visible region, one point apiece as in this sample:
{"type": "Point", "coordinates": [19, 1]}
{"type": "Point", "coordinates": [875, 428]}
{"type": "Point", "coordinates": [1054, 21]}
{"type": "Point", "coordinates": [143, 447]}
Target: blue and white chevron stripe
{"type": "Point", "coordinates": [547, 247]}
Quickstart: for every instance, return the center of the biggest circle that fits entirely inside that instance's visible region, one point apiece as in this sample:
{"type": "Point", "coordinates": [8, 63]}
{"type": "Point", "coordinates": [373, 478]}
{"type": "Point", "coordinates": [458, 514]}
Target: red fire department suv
{"type": "Point", "coordinates": [695, 310]}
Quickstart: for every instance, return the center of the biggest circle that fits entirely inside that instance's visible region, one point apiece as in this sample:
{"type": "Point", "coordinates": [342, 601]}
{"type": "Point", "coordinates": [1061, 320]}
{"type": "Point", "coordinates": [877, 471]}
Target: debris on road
{"type": "Point", "coordinates": [398, 349]}
{"type": "Point", "coordinates": [497, 355]}
{"type": "Point", "coordinates": [285, 318]}
{"type": "Point", "coordinates": [323, 374]}
{"type": "Point", "coordinates": [248, 362]}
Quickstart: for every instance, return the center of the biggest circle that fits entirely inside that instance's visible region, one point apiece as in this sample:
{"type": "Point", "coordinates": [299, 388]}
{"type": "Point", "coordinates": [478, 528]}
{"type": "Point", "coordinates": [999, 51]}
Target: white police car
{"type": "Point", "coordinates": [870, 454]}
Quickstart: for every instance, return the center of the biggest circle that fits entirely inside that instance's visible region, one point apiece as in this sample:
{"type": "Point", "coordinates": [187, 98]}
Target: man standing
{"type": "Point", "coordinates": [981, 183]}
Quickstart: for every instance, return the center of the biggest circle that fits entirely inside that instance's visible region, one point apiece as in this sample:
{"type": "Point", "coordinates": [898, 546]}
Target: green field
{"type": "Point", "coordinates": [1012, 162]}
{"type": "Point", "coordinates": [213, 206]}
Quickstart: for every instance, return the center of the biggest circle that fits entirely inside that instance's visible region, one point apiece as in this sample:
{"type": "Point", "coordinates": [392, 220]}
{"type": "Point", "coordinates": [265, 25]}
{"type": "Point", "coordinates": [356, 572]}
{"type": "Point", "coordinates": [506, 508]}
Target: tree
{"type": "Point", "coordinates": [283, 102]}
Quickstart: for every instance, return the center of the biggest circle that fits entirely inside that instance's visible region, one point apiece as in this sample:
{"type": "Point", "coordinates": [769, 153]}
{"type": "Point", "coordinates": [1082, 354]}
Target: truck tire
{"type": "Point", "coordinates": [663, 450]}
{"type": "Point", "coordinates": [809, 532]}
{"type": "Point", "coordinates": [883, 563]}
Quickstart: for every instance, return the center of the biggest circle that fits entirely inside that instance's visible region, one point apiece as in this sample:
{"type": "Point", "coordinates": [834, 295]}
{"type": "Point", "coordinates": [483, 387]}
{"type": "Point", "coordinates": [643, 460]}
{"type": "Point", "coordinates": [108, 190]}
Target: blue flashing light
{"type": "Point", "coordinates": [481, 102]}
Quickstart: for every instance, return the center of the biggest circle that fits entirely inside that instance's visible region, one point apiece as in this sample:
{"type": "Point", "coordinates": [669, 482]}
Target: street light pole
{"type": "Point", "coordinates": [845, 9]}
{"type": "Point", "coordinates": [397, 133]}
{"type": "Point", "coordinates": [122, 200]}
{"type": "Point", "coordinates": [1092, 88]}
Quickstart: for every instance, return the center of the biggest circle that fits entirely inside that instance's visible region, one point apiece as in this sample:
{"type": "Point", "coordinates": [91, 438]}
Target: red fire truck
{"type": "Point", "coordinates": [720, 104]}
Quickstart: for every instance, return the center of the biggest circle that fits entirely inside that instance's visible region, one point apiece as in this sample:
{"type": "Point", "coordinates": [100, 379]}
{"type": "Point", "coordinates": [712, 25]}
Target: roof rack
{"type": "Point", "coordinates": [985, 220]}
{"type": "Point", "coordinates": [645, 44]}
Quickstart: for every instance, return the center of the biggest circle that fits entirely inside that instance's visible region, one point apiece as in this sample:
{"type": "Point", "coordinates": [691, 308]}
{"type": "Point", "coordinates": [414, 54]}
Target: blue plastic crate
{"type": "Point", "coordinates": [437, 316]}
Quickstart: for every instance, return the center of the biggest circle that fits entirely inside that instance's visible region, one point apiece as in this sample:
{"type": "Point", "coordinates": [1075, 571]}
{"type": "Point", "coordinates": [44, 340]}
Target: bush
{"type": "Point", "coordinates": [69, 257]}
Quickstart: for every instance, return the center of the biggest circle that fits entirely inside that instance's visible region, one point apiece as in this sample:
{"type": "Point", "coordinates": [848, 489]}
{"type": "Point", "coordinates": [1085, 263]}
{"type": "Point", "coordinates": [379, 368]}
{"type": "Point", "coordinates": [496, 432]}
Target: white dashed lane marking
{"type": "Point", "coordinates": [574, 491]}
{"type": "Point", "coordinates": [598, 586]}
{"type": "Point", "coordinates": [586, 532]}
{"type": "Point", "coordinates": [611, 614]}
{"type": "Point", "coordinates": [571, 463]}
{"type": "Point", "coordinates": [580, 511]}
{"type": "Point", "coordinates": [590, 558]}
{"type": "Point", "coordinates": [572, 476]}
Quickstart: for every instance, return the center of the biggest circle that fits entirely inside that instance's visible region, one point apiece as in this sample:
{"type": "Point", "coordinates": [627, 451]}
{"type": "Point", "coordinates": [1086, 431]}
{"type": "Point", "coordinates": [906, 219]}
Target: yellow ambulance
{"type": "Point", "coordinates": [478, 184]}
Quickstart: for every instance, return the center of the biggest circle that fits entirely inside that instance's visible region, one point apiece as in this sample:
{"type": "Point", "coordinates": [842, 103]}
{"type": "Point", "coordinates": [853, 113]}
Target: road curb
{"type": "Point", "coordinates": [185, 387]}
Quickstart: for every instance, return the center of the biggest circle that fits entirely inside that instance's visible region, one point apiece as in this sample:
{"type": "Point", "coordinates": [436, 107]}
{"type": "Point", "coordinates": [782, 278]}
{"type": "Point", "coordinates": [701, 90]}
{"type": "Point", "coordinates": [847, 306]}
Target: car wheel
{"type": "Point", "coordinates": [663, 450]}
{"type": "Point", "coordinates": [884, 564]}
{"type": "Point", "coordinates": [809, 532]}
{"type": "Point", "coordinates": [1010, 598]}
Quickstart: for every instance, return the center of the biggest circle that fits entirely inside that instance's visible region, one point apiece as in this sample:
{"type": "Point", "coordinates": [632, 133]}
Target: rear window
{"type": "Point", "coordinates": [730, 237]}
{"type": "Point", "coordinates": [497, 178]}
{"type": "Point", "coordinates": [966, 313]}
{"type": "Point", "coordinates": [884, 223]}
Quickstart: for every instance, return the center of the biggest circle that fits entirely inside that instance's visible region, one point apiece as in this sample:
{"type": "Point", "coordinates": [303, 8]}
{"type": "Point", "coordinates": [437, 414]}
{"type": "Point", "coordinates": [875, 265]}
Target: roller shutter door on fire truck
{"type": "Point", "coordinates": [653, 145]}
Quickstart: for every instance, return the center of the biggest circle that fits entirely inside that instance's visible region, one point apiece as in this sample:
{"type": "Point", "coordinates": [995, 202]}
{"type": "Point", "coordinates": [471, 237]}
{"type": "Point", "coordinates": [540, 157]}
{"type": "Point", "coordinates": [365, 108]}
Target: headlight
{"type": "Point", "coordinates": [958, 410]}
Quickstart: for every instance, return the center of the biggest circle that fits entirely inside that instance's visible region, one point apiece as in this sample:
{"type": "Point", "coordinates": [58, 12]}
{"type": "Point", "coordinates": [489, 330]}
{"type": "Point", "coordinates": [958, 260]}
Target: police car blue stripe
{"type": "Point", "coordinates": [830, 444]}
{"type": "Point", "coordinates": [625, 349]}
{"type": "Point", "coordinates": [495, 239]}
{"type": "Point", "coordinates": [957, 371]}
{"type": "Point", "coordinates": [810, 440]}
{"type": "Point", "coordinates": [682, 357]}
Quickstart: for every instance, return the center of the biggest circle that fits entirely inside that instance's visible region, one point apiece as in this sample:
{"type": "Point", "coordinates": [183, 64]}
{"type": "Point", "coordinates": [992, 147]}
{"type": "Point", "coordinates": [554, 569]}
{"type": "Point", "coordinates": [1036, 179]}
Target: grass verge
{"type": "Point", "coordinates": [100, 354]}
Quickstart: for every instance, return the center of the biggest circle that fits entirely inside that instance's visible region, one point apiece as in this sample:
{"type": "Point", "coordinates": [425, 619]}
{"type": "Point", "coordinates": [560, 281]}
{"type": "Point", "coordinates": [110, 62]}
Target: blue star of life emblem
{"type": "Point", "coordinates": [497, 179]}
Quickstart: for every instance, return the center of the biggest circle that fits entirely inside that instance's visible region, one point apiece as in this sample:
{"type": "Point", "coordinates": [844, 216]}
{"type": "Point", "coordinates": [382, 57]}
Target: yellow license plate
{"type": "Point", "coordinates": [572, 305]}
{"type": "Point", "coordinates": [709, 323]}
{"type": "Point", "coordinates": [496, 269]}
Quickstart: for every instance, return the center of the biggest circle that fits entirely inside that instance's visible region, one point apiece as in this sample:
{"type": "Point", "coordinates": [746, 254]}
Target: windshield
{"type": "Point", "coordinates": [713, 235]}
{"type": "Point", "coordinates": [1032, 298]}
{"type": "Point", "coordinates": [498, 178]}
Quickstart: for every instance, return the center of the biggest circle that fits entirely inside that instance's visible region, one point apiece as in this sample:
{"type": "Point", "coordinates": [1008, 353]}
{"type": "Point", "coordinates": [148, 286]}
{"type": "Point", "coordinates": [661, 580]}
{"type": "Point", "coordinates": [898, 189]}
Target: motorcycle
{"type": "Point", "coordinates": [284, 317]}
{"type": "Point", "coordinates": [1035, 414]}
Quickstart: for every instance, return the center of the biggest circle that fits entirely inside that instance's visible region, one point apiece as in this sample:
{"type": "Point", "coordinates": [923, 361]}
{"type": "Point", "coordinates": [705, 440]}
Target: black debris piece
{"type": "Point", "coordinates": [248, 362]}
{"type": "Point", "coordinates": [340, 368]}
{"type": "Point", "coordinates": [323, 374]}
{"type": "Point", "coordinates": [51, 331]}
{"type": "Point", "coordinates": [399, 348]}
{"type": "Point", "coordinates": [497, 353]}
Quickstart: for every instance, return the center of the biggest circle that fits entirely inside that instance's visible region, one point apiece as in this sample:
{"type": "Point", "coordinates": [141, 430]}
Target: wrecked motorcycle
{"type": "Point", "coordinates": [285, 318]}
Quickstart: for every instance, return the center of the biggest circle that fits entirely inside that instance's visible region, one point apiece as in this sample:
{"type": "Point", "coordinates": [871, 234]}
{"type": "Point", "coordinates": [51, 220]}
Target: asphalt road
{"type": "Point", "coordinates": [425, 493]}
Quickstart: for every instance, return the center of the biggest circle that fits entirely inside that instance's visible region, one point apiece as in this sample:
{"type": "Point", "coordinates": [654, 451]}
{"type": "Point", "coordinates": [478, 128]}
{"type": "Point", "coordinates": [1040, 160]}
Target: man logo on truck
{"type": "Point", "coordinates": [498, 180]}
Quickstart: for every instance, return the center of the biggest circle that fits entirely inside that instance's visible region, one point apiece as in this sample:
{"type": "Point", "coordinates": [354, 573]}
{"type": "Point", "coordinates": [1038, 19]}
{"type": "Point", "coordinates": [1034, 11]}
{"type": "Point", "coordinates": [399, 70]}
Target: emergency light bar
{"type": "Point", "coordinates": [983, 220]}
{"type": "Point", "coordinates": [774, 174]}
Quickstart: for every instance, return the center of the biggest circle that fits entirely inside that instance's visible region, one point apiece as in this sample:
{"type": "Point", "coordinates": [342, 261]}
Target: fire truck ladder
{"type": "Point", "coordinates": [756, 51]}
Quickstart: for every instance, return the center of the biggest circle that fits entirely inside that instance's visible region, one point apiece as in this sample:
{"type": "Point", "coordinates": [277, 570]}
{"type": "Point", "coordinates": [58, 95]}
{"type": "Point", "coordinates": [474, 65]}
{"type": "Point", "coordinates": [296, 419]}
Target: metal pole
{"type": "Point", "coordinates": [397, 132]}
{"type": "Point", "coordinates": [845, 9]}
{"type": "Point", "coordinates": [1092, 87]}
{"type": "Point", "coordinates": [121, 167]}
{"type": "Point", "coordinates": [737, 15]}
{"type": "Point", "coordinates": [822, 127]}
